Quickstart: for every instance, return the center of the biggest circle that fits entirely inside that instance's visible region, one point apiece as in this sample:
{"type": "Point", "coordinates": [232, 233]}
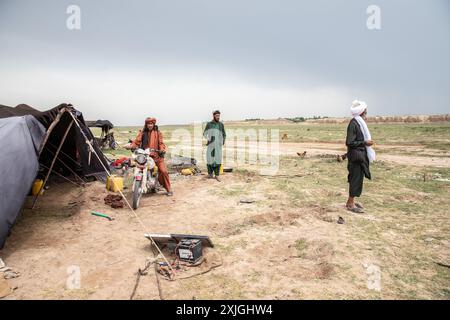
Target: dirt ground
{"type": "Point", "coordinates": [260, 258]}
{"type": "Point", "coordinates": [284, 244]}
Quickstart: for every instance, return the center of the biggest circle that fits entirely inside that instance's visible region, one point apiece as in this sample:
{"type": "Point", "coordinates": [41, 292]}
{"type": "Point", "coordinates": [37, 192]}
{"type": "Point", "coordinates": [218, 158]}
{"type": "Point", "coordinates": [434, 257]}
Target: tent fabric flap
{"type": "Point", "coordinates": [20, 139]}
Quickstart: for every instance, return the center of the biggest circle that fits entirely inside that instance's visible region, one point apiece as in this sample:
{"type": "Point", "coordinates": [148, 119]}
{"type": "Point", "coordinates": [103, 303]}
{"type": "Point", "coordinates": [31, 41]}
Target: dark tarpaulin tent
{"type": "Point", "coordinates": [107, 137]}
{"type": "Point", "coordinates": [20, 139]}
{"type": "Point", "coordinates": [30, 139]}
{"type": "Point", "coordinates": [104, 124]}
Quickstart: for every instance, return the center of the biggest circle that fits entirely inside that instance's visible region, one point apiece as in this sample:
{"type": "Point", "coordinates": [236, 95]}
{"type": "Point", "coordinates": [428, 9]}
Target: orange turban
{"type": "Point", "coordinates": [150, 120]}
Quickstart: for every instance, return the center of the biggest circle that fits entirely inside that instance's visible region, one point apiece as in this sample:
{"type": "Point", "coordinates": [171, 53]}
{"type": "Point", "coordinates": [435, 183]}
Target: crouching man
{"type": "Point", "coordinates": [151, 137]}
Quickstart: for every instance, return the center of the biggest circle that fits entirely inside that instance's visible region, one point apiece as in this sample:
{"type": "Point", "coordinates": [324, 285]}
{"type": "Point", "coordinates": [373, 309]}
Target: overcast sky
{"type": "Point", "coordinates": [177, 60]}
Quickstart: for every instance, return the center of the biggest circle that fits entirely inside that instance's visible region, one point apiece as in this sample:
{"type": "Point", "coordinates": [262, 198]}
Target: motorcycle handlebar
{"type": "Point", "coordinates": [150, 149]}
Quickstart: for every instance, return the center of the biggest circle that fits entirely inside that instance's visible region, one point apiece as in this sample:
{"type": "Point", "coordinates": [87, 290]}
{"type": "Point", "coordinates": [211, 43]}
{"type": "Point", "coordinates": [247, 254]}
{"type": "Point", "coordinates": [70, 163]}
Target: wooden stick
{"type": "Point", "coordinates": [50, 129]}
{"type": "Point", "coordinates": [53, 163]}
{"type": "Point", "coordinates": [67, 167]}
{"type": "Point", "coordinates": [60, 175]}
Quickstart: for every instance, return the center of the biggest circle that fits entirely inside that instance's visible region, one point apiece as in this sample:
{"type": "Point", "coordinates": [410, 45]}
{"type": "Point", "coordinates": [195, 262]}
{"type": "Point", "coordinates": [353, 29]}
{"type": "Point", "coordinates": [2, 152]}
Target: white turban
{"type": "Point", "coordinates": [358, 107]}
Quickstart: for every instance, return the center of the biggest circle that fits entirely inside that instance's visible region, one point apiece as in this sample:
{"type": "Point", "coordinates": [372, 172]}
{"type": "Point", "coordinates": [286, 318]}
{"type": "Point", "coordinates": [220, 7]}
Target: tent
{"type": "Point", "coordinates": [107, 137]}
{"type": "Point", "coordinates": [54, 141]}
{"type": "Point", "coordinates": [104, 124]}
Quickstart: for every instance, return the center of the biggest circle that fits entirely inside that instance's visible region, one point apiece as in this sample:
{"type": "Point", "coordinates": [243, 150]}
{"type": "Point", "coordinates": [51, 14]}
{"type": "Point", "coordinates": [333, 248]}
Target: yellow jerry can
{"type": "Point", "coordinates": [37, 185]}
{"type": "Point", "coordinates": [114, 183]}
{"type": "Point", "coordinates": [186, 172]}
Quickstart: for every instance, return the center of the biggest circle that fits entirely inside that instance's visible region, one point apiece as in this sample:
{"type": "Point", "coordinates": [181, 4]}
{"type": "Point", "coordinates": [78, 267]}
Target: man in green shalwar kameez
{"type": "Point", "coordinates": [215, 135]}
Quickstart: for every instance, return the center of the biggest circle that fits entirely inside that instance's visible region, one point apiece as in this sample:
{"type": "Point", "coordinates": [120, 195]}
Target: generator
{"type": "Point", "coordinates": [189, 250]}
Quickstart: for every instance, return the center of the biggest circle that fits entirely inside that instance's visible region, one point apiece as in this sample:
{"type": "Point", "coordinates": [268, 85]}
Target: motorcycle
{"type": "Point", "coordinates": [145, 174]}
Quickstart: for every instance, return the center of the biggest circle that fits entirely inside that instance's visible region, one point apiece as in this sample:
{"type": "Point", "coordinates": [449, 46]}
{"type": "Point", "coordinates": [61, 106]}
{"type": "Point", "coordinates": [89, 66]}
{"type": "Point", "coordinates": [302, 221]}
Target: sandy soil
{"type": "Point", "coordinates": [268, 248]}
{"type": "Point", "coordinates": [254, 242]}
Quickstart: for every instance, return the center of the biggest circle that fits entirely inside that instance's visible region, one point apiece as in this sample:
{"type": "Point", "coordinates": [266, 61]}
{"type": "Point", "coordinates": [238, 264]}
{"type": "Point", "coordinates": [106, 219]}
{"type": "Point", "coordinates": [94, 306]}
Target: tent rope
{"type": "Point", "coordinates": [144, 227]}
{"type": "Point", "coordinates": [61, 176]}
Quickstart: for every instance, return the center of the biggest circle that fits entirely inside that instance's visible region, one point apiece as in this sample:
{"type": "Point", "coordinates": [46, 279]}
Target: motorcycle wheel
{"type": "Point", "coordinates": [114, 145]}
{"type": "Point", "coordinates": [136, 194]}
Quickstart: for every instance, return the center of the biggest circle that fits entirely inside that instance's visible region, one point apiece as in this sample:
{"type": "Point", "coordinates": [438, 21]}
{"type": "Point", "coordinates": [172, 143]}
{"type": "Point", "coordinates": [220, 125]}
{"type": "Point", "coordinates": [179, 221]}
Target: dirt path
{"type": "Point", "coordinates": [386, 153]}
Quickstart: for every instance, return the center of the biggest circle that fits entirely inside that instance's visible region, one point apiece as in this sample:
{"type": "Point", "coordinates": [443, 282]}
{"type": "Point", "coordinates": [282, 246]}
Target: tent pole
{"type": "Point", "coordinates": [50, 129]}
{"type": "Point", "coordinates": [60, 175]}
{"type": "Point", "coordinates": [53, 163]}
{"type": "Point", "coordinates": [77, 177]}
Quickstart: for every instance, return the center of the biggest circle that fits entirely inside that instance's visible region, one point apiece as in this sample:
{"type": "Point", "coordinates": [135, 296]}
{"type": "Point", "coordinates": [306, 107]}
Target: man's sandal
{"type": "Point", "coordinates": [359, 205]}
{"type": "Point", "coordinates": [355, 210]}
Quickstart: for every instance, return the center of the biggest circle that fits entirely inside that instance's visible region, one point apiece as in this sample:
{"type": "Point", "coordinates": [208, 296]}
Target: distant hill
{"type": "Point", "coordinates": [374, 119]}
{"type": "Point", "coordinates": [392, 119]}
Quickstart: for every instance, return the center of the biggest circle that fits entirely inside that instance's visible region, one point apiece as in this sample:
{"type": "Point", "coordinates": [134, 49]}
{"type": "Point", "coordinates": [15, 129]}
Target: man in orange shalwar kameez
{"type": "Point", "coordinates": [151, 137]}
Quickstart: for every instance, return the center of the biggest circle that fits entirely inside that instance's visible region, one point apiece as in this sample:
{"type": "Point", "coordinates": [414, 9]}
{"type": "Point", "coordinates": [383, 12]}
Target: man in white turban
{"type": "Point", "coordinates": [359, 153]}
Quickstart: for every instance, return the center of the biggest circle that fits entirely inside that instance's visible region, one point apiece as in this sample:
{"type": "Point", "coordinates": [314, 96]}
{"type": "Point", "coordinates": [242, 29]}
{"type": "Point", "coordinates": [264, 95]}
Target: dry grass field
{"type": "Point", "coordinates": [284, 244]}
